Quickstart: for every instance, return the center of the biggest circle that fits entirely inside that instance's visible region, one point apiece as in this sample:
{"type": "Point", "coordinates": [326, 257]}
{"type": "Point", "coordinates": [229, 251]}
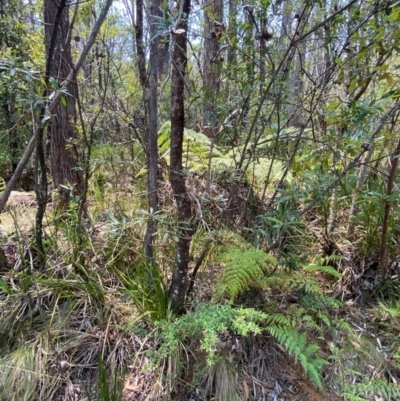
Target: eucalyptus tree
{"type": "Point", "coordinates": [53, 102]}
{"type": "Point", "coordinates": [62, 135]}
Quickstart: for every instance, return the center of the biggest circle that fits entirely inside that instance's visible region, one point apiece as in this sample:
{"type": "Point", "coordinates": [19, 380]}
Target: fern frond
{"type": "Point", "coordinates": [296, 345]}
{"type": "Point", "coordinates": [378, 388]}
{"type": "Point", "coordinates": [324, 318]}
{"type": "Point", "coordinates": [311, 324]}
{"type": "Point", "coordinates": [342, 325]}
{"type": "Point", "coordinates": [196, 149]}
{"type": "Point", "coordinates": [393, 311]}
{"type": "Point", "coordinates": [278, 318]}
{"type": "Point", "coordinates": [312, 287]}
{"type": "Point", "coordinates": [322, 269]}
{"type": "Point", "coordinates": [243, 267]}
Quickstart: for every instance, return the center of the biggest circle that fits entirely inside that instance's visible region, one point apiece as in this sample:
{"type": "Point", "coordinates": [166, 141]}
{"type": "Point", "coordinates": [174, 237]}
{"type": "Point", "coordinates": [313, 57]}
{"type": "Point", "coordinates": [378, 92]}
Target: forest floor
{"type": "Point", "coordinates": [73, 333]}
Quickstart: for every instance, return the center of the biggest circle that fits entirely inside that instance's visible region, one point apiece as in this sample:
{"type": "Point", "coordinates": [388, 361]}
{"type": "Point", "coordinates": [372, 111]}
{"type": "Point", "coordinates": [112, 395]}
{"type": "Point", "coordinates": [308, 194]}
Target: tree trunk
{"type": "Point", "coordinates": [149, 87]}
{"type": "Point", "coordinates": [212, 61]}
{"type": "Point", "coordinates": [64, 154]}
{"type": "Point", "coordinates": [53, 105]}
{"type": "Point", "coordinates": [180, 273]}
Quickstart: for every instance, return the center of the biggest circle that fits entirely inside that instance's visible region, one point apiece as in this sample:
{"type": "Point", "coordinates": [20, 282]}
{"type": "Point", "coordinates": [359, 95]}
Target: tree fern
{"type": "Point", "coordinates": [197, 157]}
{"type": "Point", "coordinates": [255, 172]}
{"type": "Point", "coordinates": [196, 149]}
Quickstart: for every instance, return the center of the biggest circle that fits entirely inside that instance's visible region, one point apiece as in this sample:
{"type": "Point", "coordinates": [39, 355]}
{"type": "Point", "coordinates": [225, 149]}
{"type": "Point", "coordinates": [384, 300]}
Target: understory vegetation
{"type": "Point", "coordinates": [199, 201]}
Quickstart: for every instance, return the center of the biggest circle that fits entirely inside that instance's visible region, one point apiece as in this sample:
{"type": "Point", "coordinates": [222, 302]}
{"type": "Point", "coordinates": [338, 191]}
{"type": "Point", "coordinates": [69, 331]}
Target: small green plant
{"type": "Point", "coordinates": [147, 289]}
{"type": "Point", "coordinates": [107, 392]}
{"type": "Point", "coordinates": [209, 321]}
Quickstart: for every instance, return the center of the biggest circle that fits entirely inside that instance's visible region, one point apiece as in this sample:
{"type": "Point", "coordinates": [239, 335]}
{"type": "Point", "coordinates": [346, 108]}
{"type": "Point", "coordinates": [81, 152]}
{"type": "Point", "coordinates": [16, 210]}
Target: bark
{"type": "Point", "coordinates": [232, 37]}
{"type": "Point", "coordinates": [152, 135]}
{"type": "Point", "coordinates": [180, 273]}
{"type": "Point", "coordinates": [11, 117]}
{"type": "Point", "coordinates": [64, 154]}
{"type": "Point", "coordinates": [296, 80]}
{"type": "Point", "coordinates": [41, 186]}
{"type": "Point", "coordinates": [53, 105]}
{"type": "Point", "coordinates": [212, 62]}
{"type": "Point", "coordinates": [141, 55]}
{"type": "Point", "coordinates": [149, 85]}
{"type": "Point", "coordinates": [163, 59]}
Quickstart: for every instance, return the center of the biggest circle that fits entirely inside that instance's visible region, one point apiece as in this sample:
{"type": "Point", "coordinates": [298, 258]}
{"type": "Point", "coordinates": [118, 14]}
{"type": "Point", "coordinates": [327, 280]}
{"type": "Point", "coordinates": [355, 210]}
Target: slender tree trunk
{"type": "Point", "coordinates": [149, 87]}
{"type": "Point", "coordinates": [153, 133]}
{"type": "Point", "coordinates": [297, 68]}
{"type": "Point", "coordinates": [232, 36]}
{"type": "Point", "coordinates": [212, 61]}
{"type": "Point", "coordinates": [180, 273]}
{"type": "Point", "coordinates": [14, 143]}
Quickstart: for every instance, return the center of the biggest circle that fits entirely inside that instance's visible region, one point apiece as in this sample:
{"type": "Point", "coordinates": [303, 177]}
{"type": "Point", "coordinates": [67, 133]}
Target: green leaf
{"type": "Point", "coordinates": [111, 217]}
{"type": "Point", "coordinates": [4, 287]}
{"type": "Point", "coordinates": [323, 269]}
{"type": "Point", "coordinates": [53, 83]}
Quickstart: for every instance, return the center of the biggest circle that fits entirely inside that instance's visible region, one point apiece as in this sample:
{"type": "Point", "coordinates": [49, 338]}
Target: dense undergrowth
{"type": "Point", "coordinates": [96, 323]}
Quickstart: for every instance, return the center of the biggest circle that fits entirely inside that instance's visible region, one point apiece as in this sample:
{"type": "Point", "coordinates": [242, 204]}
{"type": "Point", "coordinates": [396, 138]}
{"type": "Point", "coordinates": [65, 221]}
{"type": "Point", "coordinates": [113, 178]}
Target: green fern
{"type": "Point", "coordinates": [393, 311]}
{"type": "Point", "coordinates": [322, 269]}
{"type": "Point", "coordinates": [255, 172]}
{"type": "Point", "coordinates": [196, 149]}
{"type": "Point", "coordinates": [297, 345]}
{"type": "Point", "coordinates": [243, 268]}
{"type": "Point", "coordinates": [197, 157]}
{"type": "Point", "coordinates": [371, 388]}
